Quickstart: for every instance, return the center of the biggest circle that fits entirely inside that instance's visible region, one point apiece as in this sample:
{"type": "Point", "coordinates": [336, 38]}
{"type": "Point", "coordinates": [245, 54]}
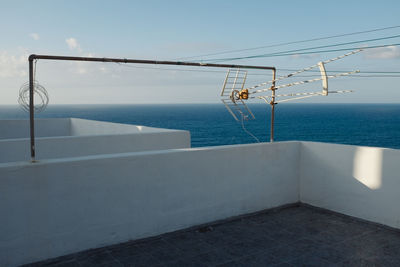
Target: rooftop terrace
{"type": "Point", "coordinates": [298, 235]}
{"type": "Point", "coordinates": [111, 189]}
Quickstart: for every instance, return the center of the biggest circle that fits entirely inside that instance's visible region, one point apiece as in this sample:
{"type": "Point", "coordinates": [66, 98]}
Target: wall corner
{"type": "Point", "coordinates": [299, 171]}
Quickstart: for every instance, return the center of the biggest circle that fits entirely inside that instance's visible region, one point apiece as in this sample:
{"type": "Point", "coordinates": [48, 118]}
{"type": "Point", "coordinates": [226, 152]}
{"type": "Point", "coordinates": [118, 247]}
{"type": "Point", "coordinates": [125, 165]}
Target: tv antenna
{"type": "Point", "coordinates": [234, 94]}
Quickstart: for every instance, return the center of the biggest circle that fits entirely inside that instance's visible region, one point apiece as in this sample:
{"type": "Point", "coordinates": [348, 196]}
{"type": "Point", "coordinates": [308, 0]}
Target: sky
{"type": "Point", "coordinates": [189, 31]}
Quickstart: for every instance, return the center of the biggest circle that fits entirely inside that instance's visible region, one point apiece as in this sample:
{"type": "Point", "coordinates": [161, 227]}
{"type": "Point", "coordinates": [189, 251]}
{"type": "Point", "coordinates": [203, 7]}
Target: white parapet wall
{"type": "Point", "coordinates": [359, 181]}
{"type": "Point", "coordinates": [15, 129]}
{"type": "Point", "coordinates": [61, 138]}
{"type": "Point", "coordinates": [61, 206]}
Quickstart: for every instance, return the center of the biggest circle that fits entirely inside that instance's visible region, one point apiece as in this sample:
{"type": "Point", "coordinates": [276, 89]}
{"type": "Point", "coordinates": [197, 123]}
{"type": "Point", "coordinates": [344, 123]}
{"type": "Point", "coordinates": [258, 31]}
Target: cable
{"type": "Point", "coordinates": [34, 70]}
{"type": "Point", "coordinates": [189, 70]}
{"type": "Point", "coordinates": [292, 42]}
{"type": "Point", "coordinates": [376, 76]}
{"type": "Point", "coordinates": [352, 75]}
{"type": "Point", "coordinates": [382, 72]}
{"type": "Point", "coordinates": [301, 53]}
{"type": "Point", "coordinates": [340, 44]}
{"type": "Point", "coordinates": [248, 132]}
{"type": "Point", "coordinates": [252, 74]}
{"type": "Point", "coordinates": [279, 69]}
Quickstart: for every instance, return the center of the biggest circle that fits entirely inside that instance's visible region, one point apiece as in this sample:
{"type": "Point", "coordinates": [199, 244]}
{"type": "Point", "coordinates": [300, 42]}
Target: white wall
{"type": "Point", "coordinates": [60, 206]}
{"type": "Point", "coordinates": [56, 207]}
{"type": "Point", "coordinates": [90, 127]}
{"type": "Point", "coordinates": [76, 146]}
{"type": "Point", "coordinates": [359, 181]}
{"type": "Point", "coordinates": [88, 138]}
{"type": "Point", "coordinates": [11, 129]}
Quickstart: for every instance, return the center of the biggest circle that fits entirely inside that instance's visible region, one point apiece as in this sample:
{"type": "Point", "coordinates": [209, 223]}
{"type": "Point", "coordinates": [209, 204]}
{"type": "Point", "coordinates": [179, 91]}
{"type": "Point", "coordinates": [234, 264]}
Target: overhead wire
{"type": "Point", "coordinates": [255, 74]}
{"type": "Point", "coordinates": [366, 71]}
{"type": "Point", "coordinates": [288, 69]}
{"type": "Point", "coordinates": [302, 53]}
{"type": "Point", "coordinates": [354, 75]}
{"type": "Point", "coordinates": [334, 45]}
{"type": "Point", "coordinates": [247, 131]}
{"type": "Point", "coordinates": [298, 52]}
{"type": "Point", "coordinates": [292, 42]}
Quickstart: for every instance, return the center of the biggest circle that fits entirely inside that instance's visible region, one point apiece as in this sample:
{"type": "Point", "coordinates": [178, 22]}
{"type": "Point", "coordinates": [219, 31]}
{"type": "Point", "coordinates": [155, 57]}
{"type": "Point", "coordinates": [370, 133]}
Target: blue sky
{"type": "Point", "coordinates": [167, 30]}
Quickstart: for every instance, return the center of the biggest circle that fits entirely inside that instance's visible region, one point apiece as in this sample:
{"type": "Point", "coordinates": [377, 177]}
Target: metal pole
{"type": "Point", "coordinates": [273, 105]}
{"type": "Point", "coordinates": [120, 60]}
{"type": "Point", "coordinates": [31, 109]}
{"type": "Point", "coordinates": [142, 61]}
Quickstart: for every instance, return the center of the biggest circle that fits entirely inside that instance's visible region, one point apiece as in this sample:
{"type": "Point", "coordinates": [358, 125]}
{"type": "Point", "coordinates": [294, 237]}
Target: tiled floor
{"type": "Point", "coordinates": [295, 236]}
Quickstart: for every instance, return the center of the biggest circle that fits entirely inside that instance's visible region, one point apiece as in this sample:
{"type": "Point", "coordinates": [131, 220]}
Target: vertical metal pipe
{"type": "Point", "coordinates": [273, 105]}
{"type": "Point", "coordinates": [31, 109]}
{"type": "Point", "coordinates": [136, 61]}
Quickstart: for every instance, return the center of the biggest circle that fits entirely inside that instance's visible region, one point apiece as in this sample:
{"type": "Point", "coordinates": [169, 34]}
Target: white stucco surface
{"type": "Point", "coordinates": [61, 206]}
{"type": "Point", "coordinates": [79, 127]}
{"type": "Point", "coordinates": [108, 183]}
{"type": "Point", "coordinates": [359, 181]}
{"type": "Point", "coordinates": [61, 138]}
{"type": "Point", "coordinates": [13, 129]}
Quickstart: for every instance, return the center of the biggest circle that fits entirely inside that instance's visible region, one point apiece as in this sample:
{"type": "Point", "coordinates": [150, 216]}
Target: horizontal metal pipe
{"type": "Point", "coordinates": [141, 61]}
{"type": "Point", "coordinates": [114, 60]}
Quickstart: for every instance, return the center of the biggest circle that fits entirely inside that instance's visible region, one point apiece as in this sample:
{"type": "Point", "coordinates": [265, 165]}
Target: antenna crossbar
{"type": "Point", "coordinates": [316, 79]}
{"type": "Point", "coordinates": [314, 93]}
{"type": "Point", "coordinates": [303, 70]}
{"type": "Point", "coordinates": [306, 95]}
{"type": "Point", "coordinates": [306, 81]}
{"type": "Point", "coordinates": [235, 101]}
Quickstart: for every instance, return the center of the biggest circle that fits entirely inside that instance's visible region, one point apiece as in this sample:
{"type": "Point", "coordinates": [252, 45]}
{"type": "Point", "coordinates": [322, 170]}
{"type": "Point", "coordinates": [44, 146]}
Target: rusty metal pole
{"type": "Point", "coordinates": [124, 60]}
{"type": "Point", "coordinates": [143, 61]}
{"type": "Point", "coordinates": [31, 109]}
{"type": "Point", "coordinates": [273, 105]}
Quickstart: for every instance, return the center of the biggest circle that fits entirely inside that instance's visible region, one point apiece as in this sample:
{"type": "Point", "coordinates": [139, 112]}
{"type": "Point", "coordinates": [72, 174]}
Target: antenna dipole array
{"type": "Point", "coordinates": [230, 95]}
{"type": "Point", "coordinates": [298, 72]}
{"type": "Point", "coordinates": [234, 95]}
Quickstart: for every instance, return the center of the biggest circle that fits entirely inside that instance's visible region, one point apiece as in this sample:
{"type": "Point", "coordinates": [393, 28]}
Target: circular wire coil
{"type": "Point", "coordinates": [40, 93]}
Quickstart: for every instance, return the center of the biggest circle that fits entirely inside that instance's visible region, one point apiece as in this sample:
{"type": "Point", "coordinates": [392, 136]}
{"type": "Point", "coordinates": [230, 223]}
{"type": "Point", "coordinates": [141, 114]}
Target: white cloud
{"type": "Point", "coordinates": [34, 36]}
{"type": "Point", "coordinates": [13, 66]}
{"type": "Point", "coordinates": [82, 67]}
{"type": "Point", "coordinates": [73, 44]}
{"type": "Point", "coordinates": [388, 52]}
{"type": "Point", "coordinates": [103, 69]}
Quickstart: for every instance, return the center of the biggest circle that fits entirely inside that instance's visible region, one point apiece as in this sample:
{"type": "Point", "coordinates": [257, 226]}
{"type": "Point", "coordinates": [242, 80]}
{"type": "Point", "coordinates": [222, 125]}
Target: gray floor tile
{"type": "Point", "coordinates": [310, 260]}
{"type": "Point", "coordinates": [373, 262]}
{"type": "Point", "coordinates": [330, 254]}
{"type": "Point", "coordinates": [169, 254]}
{"type": "Point", "coordinates": [296, 236]}
{"type": "Point", "coordinates": [284, 237]}
{"type": "Point", "coordinates": [95, 257]}
{"type": "Point", "coordinates": [260, 259]}
{"type": "Point", "coordinates": [144, 259]}
{"type": "Point", "coordinates": [218, 239]}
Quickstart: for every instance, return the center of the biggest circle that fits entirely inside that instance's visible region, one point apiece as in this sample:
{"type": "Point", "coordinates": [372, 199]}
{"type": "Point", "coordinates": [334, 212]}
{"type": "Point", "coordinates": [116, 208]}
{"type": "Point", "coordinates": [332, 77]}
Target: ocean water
{"type": "Point", "coordinates": [211, 124]}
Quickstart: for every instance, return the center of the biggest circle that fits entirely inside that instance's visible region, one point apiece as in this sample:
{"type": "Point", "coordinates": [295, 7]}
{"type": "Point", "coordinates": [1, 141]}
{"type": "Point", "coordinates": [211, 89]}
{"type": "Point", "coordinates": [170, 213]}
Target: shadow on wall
{"type": "Point", "coordinates": [367, 166]}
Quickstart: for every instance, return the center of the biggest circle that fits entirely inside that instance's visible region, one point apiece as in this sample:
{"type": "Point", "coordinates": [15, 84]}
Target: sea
{"type": "Point", "coordinates": [212, 125]}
